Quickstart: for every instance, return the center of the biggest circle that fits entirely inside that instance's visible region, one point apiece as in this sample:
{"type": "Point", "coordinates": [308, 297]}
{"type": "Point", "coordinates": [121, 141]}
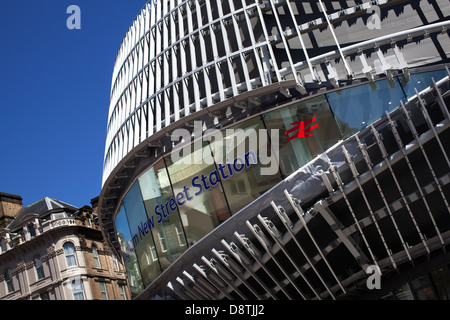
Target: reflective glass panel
{"type": "Point", "coordinates": [441, 280]}
{"type": "Point", "coordinates": [404, 292]}
{"type": "Point", "coordinates": [299, 146]}
{"type": "Point", "coordinates": [245, 163]}
{"type": "Point", "coordinates": [389, 296]}
{"type": "Point", "coordinates": [420, 81]}
{"type": "Point", "coordinates": [127, 251]}
{"type": "Point", "coordinates": [161, 207]}
{"type": "Point", "coordinates": [357, 107]}
{"type": "Point", "coordinates": [140, 227]}
{"type": "Point", "coordinates": [423, 288]}
{"type": "Point", "coordinates": [197, 191]}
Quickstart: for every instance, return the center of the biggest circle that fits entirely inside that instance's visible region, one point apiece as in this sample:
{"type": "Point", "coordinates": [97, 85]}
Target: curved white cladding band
{"type": "Point", "coordinates": [179, 57]}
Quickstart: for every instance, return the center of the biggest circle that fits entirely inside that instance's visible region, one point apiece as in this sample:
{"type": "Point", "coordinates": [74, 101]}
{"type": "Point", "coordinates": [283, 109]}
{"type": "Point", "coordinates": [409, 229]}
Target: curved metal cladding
{"type": "Point", "coordinates": [378, 200]}
{"type": "Point", "coordinates": [250, 64]}
{"type": "Point", "coordinates": [181, 57]}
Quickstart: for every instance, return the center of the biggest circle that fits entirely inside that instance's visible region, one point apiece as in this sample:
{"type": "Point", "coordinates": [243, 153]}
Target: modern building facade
{"type": "Point", "coordinates": [51, 250]}
{"type": "Point", "coordinates": [277, 149]}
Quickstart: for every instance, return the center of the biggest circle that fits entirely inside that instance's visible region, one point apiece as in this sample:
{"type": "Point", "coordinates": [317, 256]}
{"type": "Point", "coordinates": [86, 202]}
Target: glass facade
{"type": "Point", "coordinates": [198, 195]}
{"type": "Point", "coordinates": [359, 106]}
{"type": "Point", "coordinates": [355, 108]}
{"type": "Point", "coordinates": [244, 183]}
{"type": "Point", "coordinates": [168, 235]}
{"type": "Point", "coordinates": [429, 286]}
{"type": "Point", "coordinates": [128, 252]}
{"type": "Point", "coordinates": [174, 204]}
{"type": "Point", "coordinates": [294, 153]}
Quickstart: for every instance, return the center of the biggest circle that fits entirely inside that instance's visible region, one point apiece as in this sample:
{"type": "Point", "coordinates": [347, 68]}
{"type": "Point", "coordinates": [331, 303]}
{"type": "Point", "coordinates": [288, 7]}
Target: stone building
{"type": "Point", "coordinates": [51, 250]}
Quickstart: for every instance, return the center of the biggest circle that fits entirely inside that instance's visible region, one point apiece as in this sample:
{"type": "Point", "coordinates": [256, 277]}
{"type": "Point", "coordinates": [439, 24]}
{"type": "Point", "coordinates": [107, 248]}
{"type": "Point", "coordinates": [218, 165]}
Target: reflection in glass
{"type": "Point", "coordinates": [357, 107]}
{"type": "Point", "coordinates": [239, 169]}
{"type": "Point", "coordinates": [441, 280]}
{"type": "Point", "coordinates": [422, 286]}
{"type": "Point", "coordinates": [160, 203]}
{"type": "Point", "coordinates": [389, 296]}
{"type": "Point", "coordinates": [420, 81]}
{"type": "Point", "coordinates": [128, 254]}
{"type": "Point", "coordinates": [173, 205]}
{"type": "Point", "coordinates": [404, 292]}
{"type": "Point", "coordinates": [299, 151]}
{"type": "Point", "coordinates": [141, 236]}
{"type": "Point", "coordinates": [198, 193]}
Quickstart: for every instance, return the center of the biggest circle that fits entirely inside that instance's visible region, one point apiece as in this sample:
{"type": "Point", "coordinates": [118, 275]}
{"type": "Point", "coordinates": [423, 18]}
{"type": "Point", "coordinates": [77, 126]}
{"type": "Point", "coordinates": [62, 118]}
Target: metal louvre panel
{"type": "Point", "coordinates": [296, 251]}
{"type": "Point", "coordinates": [379, 197]}
{"type": "Point", "coordinates": [180, 57]}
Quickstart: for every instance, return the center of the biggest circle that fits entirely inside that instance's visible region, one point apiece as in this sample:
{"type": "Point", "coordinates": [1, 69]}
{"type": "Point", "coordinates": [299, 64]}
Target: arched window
{"type": "Point", "coordinates": [96, 257]}
{"type": "Point", "coordinates": [69, 252]}
{"type": "Point", "coordinates": [9, 281]}
{"type": "Point", "coordinates": [39, 268]}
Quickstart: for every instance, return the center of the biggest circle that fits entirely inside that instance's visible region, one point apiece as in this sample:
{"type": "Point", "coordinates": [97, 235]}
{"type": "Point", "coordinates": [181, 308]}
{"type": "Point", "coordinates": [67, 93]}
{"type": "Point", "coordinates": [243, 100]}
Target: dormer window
{"type": "Point", "coordinates": [60, 215]}
{"type": "Point", "coordinates": [31, 230]}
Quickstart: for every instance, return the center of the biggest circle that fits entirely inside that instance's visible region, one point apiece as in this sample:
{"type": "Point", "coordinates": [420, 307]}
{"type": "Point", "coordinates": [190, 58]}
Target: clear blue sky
{"type": "Point", "coordinates": [54, 95]}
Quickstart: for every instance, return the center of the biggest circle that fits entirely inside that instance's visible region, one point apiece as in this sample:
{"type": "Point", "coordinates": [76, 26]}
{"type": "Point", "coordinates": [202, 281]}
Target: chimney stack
{"type": "Point", "coordinates": [10, 205]}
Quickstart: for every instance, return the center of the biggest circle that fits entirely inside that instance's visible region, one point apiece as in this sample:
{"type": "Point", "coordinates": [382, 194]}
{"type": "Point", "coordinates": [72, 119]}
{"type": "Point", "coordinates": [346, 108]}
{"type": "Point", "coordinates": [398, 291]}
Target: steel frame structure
{"type": "Point", "coordinates": [259, 259]}
{"type": "Point", "coordinates": [181, 57]}
{"type": "Point", "coordinates": [182, 61]}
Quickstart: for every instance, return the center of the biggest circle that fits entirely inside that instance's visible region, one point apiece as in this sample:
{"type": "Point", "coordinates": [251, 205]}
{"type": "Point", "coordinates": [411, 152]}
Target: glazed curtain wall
{"type": "Point", "coordinates": [173, 204]}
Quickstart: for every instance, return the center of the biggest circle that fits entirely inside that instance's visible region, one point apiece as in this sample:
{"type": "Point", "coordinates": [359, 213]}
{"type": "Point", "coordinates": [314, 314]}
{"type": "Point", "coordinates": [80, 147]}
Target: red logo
{"type": "Point", "coordinates": [302, 132]}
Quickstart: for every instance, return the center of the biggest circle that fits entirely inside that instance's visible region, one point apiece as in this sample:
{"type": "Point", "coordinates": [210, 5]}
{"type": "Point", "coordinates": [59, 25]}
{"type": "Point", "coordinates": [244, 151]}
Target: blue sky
{"type": "Point", "coordinates": [54, 95]}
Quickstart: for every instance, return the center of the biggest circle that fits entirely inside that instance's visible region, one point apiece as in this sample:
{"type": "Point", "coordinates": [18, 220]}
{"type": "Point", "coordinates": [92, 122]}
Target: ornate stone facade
{"type": "Point", "coordinates": [54, 251]}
